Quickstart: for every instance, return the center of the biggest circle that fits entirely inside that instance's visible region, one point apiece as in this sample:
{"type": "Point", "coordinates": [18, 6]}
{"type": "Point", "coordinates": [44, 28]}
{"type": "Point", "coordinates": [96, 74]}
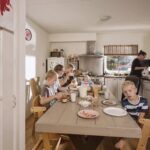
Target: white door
{"type": "Point", "coordinates": [7, 92]}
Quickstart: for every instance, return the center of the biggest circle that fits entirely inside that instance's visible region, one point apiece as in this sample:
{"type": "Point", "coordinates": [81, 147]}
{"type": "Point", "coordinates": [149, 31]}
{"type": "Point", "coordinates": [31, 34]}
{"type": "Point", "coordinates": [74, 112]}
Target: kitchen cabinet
{"type": "Point", "coordinates": [114, 85]}
{"type": "Point", "coordinates": [145, 88]}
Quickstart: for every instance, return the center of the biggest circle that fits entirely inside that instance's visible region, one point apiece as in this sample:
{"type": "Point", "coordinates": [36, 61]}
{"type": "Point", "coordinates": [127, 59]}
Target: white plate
{"type": "Point", "coordinates": [114, 111]}
{"type": "Point", "coordinates": [109, 102]}
{"type": "Point", "coordinates": [88, 114]}
{"type": "Point", "coordinates": [84, 103]}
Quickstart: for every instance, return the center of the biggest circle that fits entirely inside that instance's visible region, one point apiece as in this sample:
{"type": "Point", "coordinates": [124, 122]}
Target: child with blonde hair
{"type": "Point", "coordinates": [134, 104]}
{"type": "Point", "coordinates": [48, 92]}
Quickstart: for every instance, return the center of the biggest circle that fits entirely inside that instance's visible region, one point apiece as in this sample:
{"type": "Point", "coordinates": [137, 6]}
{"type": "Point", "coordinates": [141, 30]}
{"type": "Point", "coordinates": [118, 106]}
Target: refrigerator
{"type": "Point", "coordinates": [51, 62]}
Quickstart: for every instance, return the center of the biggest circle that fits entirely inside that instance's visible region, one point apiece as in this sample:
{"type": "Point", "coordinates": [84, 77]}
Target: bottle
{"type": "Point", "coordinates": [106, 95]}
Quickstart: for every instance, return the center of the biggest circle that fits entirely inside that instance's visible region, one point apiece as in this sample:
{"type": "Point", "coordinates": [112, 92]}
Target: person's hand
{"type": "Point", "coordinates": [59, 95]}
{"type": "Point", "coordinates": [70, 74]}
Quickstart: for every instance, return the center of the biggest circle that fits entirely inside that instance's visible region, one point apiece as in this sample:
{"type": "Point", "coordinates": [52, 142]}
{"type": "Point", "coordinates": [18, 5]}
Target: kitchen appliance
{"type": "Point", "coordinates": [51, 62]}
{"type": "Point", "coordinates": [91, 63]}
{"type": "Point", "coordinates": [55, 54]}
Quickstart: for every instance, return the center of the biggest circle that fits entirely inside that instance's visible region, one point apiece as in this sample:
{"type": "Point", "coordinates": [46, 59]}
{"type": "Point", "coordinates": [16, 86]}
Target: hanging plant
{"type": "Point", "coordinates": [4, 6]}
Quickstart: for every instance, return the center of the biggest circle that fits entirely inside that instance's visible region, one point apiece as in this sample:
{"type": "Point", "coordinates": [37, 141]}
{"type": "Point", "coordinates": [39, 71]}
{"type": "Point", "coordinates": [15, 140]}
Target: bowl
{"type": "Point", "coordinates": [84, 103]}
{"type": "Point", "coordinates": [65, 100]}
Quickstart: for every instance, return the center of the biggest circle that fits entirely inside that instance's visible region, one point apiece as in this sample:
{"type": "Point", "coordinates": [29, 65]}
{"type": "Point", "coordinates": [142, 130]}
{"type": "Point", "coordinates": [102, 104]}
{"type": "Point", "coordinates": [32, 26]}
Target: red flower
{"type": "Point", "coordinates": [4, 6]}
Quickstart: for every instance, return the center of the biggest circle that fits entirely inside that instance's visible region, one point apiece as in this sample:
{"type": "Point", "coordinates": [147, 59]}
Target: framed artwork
{"type": "Point", "coordinates": [28, 34]}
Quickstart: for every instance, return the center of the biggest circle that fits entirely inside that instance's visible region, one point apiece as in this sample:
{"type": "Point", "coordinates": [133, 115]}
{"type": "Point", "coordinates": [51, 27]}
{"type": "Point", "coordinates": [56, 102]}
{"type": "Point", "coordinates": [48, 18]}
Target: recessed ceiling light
{"type": "Point", "coordinates": [105, 18]}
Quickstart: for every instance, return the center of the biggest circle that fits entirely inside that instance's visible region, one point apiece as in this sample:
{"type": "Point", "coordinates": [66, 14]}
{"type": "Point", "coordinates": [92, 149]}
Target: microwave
{"type": "Point", "coordinates": [55, 54]}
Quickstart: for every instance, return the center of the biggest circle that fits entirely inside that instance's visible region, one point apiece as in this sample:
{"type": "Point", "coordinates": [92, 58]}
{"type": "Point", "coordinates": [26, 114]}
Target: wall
{"type": "Point", "coordinates": [70, 48]}
{"type": "Point", "coordinates": [65, 41]}
{"type": "Point", "coordinates": [72, 37]}
{"type": "Point", "coordinates": [124, 38]}
{"type": "Point", "coordinates": [72, 43]}
{"type": "Point", "coordinates": [40, 49]}
{"type": "Point", "coordinates": [6, 20]}
{"type": "Point", "coordinates": [37, 47]}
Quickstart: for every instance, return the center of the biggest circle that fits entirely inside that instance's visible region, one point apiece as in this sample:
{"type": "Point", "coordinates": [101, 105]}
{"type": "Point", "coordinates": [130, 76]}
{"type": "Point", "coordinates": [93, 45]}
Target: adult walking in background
{"type": "Point", "coordinates": [137, 64]}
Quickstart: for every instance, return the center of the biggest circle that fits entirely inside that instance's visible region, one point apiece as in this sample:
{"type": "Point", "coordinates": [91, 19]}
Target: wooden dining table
{"type": "Point", "coordinates": [63, 118]}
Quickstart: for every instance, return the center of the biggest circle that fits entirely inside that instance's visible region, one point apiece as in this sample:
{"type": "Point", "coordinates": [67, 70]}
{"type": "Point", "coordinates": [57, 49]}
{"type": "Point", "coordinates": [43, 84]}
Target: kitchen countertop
{"type": "Point", "coordinates": [115, 76]}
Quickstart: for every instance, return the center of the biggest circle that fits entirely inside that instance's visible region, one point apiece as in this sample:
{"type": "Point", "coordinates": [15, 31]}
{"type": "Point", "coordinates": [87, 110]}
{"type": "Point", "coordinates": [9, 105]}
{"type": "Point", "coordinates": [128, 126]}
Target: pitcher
{"type": "Point", "coordinates": [83, 91]}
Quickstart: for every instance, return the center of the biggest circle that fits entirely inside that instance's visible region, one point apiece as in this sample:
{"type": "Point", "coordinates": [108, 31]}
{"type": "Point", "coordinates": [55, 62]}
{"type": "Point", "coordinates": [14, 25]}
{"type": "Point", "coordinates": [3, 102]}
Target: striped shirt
{"type": "Point", "coordinates": [50, 91]}
{"type": "Point", "coordinates": [135, 109]}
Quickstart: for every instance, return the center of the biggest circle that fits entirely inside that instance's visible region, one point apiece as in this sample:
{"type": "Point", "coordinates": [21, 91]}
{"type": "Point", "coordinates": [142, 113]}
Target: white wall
{"type": "Point", "coordinates": [70, 48]}
{"type": "Point", "coordinates": [142, 38]}
{"type": "Point", "coordinates": [6, 20]}
{"type": "Point", "coordinates": [72, 37]}
{"type": "Point", "coordinates": [37, 47]}
{"type": "Point", "coordinates": [72, 43]}
{"type": "Point", "coordinates": [40, 50]}
{"type": "Point", "coordinates": [124, 38]}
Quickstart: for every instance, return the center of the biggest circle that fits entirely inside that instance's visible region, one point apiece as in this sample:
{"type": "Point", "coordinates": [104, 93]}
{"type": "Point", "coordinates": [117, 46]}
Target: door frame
{"type": "Point", "coordinates": [19, 47]}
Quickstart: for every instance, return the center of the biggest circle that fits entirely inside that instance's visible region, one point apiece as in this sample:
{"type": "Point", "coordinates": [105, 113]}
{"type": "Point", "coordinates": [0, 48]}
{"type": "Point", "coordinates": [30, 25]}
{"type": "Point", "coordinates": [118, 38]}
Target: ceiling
{"type": "Point", "coordinates": [63, 16]}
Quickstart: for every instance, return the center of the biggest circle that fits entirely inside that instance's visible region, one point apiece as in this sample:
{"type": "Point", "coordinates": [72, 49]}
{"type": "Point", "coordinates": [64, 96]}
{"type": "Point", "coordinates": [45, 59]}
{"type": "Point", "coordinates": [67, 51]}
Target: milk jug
{"type": "Point", "coordinates": [83, 91]}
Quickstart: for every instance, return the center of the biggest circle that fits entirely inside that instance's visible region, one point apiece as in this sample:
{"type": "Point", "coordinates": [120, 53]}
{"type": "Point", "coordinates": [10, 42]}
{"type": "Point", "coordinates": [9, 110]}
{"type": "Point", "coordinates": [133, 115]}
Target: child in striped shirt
{"type": "Point", "coordinates": [134, 104]}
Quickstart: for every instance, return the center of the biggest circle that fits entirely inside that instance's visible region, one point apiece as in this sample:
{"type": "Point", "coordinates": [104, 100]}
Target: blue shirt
{"type": "Point", "coordinates": [135, 110]}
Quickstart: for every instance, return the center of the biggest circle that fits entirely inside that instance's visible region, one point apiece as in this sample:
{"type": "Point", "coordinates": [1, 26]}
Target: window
{"type": "Point", "coordinates": [118, 58]}
{"type": "Point", "coordinates": [118, 64]}
{"type": "Point", "coordinates": [30, 67]}
{"type": "Point", "coordinates": [120, 49]}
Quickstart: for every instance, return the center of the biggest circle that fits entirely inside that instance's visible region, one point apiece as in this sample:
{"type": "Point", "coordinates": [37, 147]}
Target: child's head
{"type": "Point", "coordinates": [86, 78]}
{"type": "Point", "coordinates": [51, 77]}
{"type": "Point", "coordinates": [129, 89]}
{"type": "Point", "coordinates": [70, 68]}
{"type": "Point", "coordinates": [59, 69]}
{"type": "Point", "coordinates": [141, 55]}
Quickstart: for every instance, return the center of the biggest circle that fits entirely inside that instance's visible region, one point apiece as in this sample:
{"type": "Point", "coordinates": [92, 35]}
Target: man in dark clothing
{"type": "Point", "coordinates": [137, 67]}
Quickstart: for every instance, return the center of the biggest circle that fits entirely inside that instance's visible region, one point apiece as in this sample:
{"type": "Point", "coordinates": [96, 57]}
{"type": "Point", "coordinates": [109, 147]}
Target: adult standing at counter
{"type": "Point", "coordinates": [137, 67]}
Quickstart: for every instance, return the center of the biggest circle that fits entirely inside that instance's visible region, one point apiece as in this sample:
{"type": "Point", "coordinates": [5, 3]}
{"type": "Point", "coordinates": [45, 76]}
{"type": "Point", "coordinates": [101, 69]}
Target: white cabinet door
{"type": "Point", "coordinates": [120, 82]}
{"type": "Point", "coordinates": [146, 94]}
{"type": "Point", "coordinates": [7, 95]}
{"type": "Point", "coordinates": [112, 85]}
{"type": "Point", "coordinates": [145, 85]}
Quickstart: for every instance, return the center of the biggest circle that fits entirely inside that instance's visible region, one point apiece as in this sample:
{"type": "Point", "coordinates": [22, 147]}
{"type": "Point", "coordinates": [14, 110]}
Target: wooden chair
{"type": "Point", "coordinates": [38, 111]}
{"type": "Point", "coordinates": [145, 134]}
{"type": "Point", "coordinates": [140, 144]}
{"type": "Point", "coordinates": [35, 109]}
{"type": "Point", "coordinates": [34, 85]}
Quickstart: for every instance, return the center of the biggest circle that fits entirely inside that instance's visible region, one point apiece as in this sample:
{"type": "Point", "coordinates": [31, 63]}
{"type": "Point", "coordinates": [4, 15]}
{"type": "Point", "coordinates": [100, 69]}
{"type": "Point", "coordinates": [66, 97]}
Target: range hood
{"type": "Point", "coordinates": [91, 50]}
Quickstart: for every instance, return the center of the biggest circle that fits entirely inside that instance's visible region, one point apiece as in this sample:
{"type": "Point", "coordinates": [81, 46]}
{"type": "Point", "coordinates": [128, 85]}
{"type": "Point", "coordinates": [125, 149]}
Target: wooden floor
{"type": "Point", "coordinates": [30, 141]}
